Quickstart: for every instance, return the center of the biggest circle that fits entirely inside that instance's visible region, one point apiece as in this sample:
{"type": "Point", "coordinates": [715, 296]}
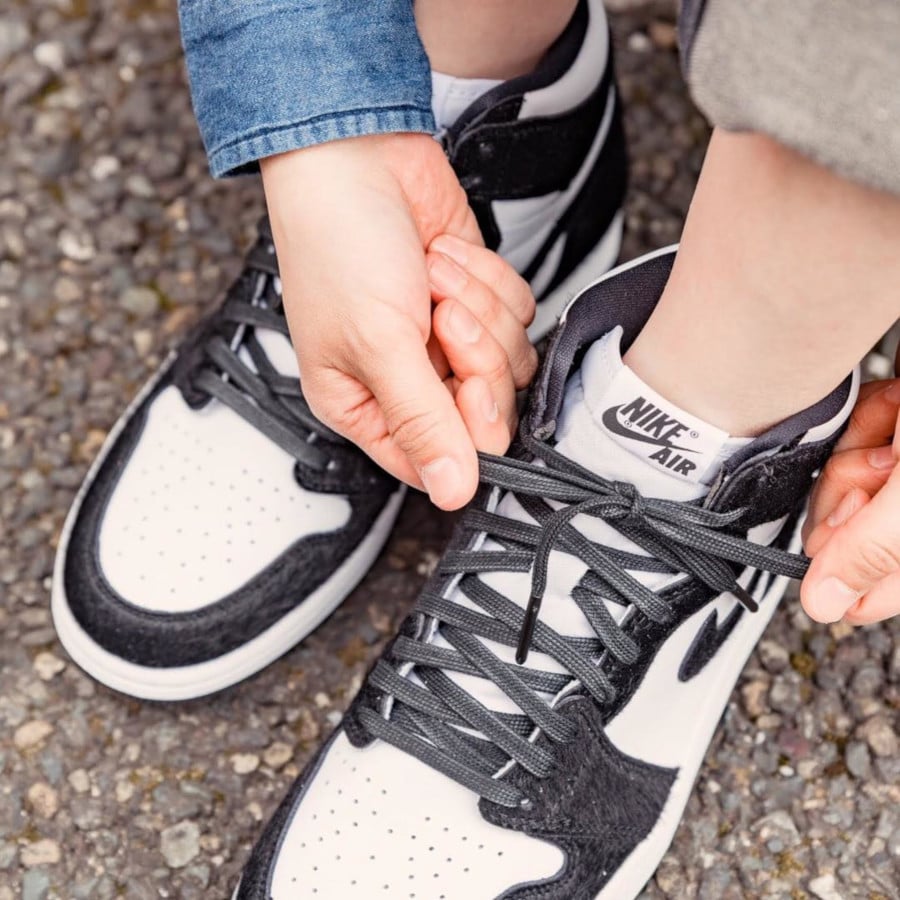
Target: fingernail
{"type": "Point", "coordinates": [831, 598]}
{"type": "Point", "coordinates": [892, 393]}
{"type": "Point", "coordinates": [453, 247]}
{"type": "Point", "coordinates": [882, 458]}
{"type": "Point", "coordinates": [843, 511]}
{"type": "Point", "coordinates": [463, 324]}
{"type": "Point", "coordinates": [441, 479]}
{"type": "Point", "coordinates": [445, 276]}
{"type": "Point", "coordinates": [489, 406]}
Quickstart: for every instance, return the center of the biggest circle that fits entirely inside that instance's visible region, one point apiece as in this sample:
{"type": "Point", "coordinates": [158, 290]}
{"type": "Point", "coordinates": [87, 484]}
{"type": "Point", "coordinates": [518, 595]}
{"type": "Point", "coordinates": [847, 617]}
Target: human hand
{"type": "Point", "coordinates": [368, 231]}
{"type": "Point", "coordinates": [853, 529]}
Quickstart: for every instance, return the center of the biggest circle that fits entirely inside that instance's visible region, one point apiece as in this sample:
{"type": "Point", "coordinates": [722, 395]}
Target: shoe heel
{"type": "Point", "coordinates": [598, 203]}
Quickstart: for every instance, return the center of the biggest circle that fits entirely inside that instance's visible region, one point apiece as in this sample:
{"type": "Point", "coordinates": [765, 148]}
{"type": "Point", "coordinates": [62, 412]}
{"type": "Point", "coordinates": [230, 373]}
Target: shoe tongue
{"type": "Point", "coordinates": [597, 440]}
{"type": "Point", "coordinates": [617, 426]}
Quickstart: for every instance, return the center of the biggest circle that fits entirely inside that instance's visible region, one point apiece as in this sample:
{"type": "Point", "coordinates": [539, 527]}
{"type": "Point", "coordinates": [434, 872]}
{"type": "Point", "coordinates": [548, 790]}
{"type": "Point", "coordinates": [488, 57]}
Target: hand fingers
{"type": "Point", "coordinates": [438, 357]}
{"type": "Point", "coordinates": [473, 352]}
{"type": "Point", "coordinates": [848, 506]}
{"type": "Point", "coordinates": [874, 418]}
{"type": "Point", "coordinates": [862, 469]}
{"type": "Point", "coordinates": [882, 602]}
{"type": "Point", "coordinates": [415, 430]}
{"type": "Point", "coordinates": [450, 281]}
{"type": "Point", "coordinates": [856, 557]}
{"type": "Point", "coordinates": [493, 271]}
{"type": "Point", "coordinates": [481, 413]}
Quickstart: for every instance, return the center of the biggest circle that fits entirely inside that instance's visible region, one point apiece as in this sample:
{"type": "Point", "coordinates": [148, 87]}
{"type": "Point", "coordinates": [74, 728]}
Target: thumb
{"type": "Point", "coordinates": [423, 437]}
{"type": "Point", "coordinates": [855, 557]}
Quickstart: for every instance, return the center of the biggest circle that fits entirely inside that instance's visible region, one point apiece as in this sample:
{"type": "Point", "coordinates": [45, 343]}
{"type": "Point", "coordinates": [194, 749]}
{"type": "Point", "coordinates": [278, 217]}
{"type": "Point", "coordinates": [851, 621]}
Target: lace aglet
{"type": "Point", "coordinates": [527, 632]}
{"type": "Point", "coordinates": [745, 599]}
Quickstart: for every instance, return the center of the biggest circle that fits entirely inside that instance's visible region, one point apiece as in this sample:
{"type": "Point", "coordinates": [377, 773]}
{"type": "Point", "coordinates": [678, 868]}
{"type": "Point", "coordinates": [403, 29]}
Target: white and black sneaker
{"type": "Point", "coordinates": [222, 522]}
{"type": "Point", "coordinates": [535, 729]}
{"type": "Point", "coordinates": [543, 161]}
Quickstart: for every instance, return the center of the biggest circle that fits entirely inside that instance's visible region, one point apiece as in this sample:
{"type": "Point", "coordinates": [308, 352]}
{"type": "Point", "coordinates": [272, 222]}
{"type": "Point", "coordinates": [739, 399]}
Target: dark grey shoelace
{"type": "Point", "coordinates": [272, 403]}
{"type": "Point", "coordinates": [446, 727]}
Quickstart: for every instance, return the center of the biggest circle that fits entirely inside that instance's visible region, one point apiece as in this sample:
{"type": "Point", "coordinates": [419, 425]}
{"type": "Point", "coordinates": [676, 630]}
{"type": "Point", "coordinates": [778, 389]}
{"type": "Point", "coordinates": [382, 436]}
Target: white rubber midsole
{"type": "Point", "coordinates": [599, 261]}
{"type": "Point", "coordinates": [632, 876]}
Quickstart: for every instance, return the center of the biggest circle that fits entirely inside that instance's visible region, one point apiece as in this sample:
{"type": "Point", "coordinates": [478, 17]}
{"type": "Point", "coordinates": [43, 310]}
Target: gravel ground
{"type": "Point", "coordinates": [113, 239]}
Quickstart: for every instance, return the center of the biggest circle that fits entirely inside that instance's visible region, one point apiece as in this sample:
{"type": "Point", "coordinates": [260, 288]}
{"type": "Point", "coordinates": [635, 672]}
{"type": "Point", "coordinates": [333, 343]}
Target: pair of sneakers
{"type": "Point", "coordinates": [535, 727]}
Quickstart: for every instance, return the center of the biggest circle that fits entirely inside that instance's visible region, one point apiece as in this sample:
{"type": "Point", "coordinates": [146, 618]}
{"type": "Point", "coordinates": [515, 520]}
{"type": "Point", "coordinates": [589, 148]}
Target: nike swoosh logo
{"type": "Point", "coordinates": [713, 634]}
{"type": "Point", "coordinates": [611, 421]}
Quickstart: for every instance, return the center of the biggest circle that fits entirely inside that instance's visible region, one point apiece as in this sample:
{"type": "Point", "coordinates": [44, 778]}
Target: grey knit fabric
{"type": "Point", "coordinates": [821, 76]}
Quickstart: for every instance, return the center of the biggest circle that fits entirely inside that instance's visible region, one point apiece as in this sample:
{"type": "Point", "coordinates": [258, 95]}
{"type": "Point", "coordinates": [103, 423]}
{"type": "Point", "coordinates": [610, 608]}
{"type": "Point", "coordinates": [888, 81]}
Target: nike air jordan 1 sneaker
{"type": "Point", "coordinates": [543, 162]}
{"type": "Point", "coordinates": [535, 728]}
{"type": "Point", "coordinates": [222, 522]}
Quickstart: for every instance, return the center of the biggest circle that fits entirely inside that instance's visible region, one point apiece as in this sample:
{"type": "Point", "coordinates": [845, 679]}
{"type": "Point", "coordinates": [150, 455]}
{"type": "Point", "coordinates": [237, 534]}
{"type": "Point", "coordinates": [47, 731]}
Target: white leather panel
{"type": "Point", "coordinates": [579, 81]}
{"type": "Point", "coordinates": [376, 822]}
{"type": "Point", "coordinates": [204, 504]}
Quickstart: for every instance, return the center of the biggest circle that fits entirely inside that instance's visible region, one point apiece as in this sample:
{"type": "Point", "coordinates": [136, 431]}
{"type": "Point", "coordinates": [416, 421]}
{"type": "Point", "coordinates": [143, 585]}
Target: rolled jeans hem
{"type": "Point", "coordinates": [241, 156]}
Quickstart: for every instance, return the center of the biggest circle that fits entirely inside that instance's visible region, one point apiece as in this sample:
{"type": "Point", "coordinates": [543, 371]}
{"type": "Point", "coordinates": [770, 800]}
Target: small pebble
{"type": "Point", "coordinates": [43, 800]}
{"type": "Point", "coordinates": [104, 166]}
{"type": "Point", "coordinates": [244, 763]}
{"type": "Point", "coordinates": [51, 54]}
{"type": "Point", "coordinates": [856, 756]}
{"type": "Point", "coordinates": [48, 666]}
{"type": "Point", "coordinates": [139, 301]}
{"type": "Point", "coordinates": [880, 736]}
{"type": "Point", "coordinates": [44, 852]}
{"type": "Point", "coordinates": [180, 844]}
{"type": "Point", "coordinates": [80, 781]}
{"type": "Point", "coordinates": [143, 341]}
{"type": "Point", "coordinates": [77, 247]}
{"type": "Point", "coordinates": [825, 888]}
{"type": "Point", "coordinates": [31, 734]}
{"type": "Point", "coordinates": [35, 885]}
{"type": "Point", "coordinates": [277, 755]}
{"type": "Point", "coordinates": [663, 34]}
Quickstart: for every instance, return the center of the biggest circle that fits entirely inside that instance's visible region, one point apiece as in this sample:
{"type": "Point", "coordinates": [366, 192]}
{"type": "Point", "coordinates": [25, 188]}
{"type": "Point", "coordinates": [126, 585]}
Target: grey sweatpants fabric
{"type": "Point", "coordinates": [821, 76]}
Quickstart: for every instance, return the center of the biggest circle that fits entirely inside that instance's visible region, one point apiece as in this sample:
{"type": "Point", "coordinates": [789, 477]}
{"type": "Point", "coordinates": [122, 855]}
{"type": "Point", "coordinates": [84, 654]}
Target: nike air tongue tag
{"type": "Point", "coordinates": [646, 424]}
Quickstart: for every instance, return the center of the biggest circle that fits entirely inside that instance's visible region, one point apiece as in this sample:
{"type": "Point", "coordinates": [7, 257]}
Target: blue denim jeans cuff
{"type": "Point", "coordinates": [268, 76]}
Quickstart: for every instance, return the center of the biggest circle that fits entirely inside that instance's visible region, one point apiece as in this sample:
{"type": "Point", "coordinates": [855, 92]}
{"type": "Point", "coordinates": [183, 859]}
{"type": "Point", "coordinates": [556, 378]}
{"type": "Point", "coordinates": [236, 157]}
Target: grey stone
{"type": "Point", "coordinates": [881, 736]}
{"type": "Point", "coordinates": [774, 655]}
{"type": "Point", "coordinates": [778, 824]}
{"type": "Point", "coordinates": [35, 885]}
{"type": "Point", "coordinates": [57, 161]}
{"type": "Point", "coordinates": [180, 844]}
{"type": "Point", "coordinates": [825, 888]}
{"type": "Point", "coordinates": [140, 301]}
{"type": "Point", "coordinates": [14, 35]}
{"type": "Point", "coordinates": [859, 763]}
{"type": "Point", "coordinates": [785, 694]}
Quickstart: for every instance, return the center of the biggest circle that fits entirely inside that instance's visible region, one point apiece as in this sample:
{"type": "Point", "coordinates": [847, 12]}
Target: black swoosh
{"type": "Point", "coordinates": [612, 423]}
{"type": "Point", "coordinates": [711, 636]}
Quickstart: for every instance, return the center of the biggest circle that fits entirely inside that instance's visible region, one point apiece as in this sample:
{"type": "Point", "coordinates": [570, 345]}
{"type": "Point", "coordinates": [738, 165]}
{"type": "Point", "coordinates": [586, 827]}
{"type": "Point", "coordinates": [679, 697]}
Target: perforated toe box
{"type": "Point", "coordinates": [374, 822]}
{"type": "Point", "coordinates": [194, 535]}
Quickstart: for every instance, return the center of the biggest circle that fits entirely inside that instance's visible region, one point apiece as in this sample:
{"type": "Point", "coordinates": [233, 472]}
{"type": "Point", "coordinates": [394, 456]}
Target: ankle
{"type": "Point", "coordinates": [497, 39]}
